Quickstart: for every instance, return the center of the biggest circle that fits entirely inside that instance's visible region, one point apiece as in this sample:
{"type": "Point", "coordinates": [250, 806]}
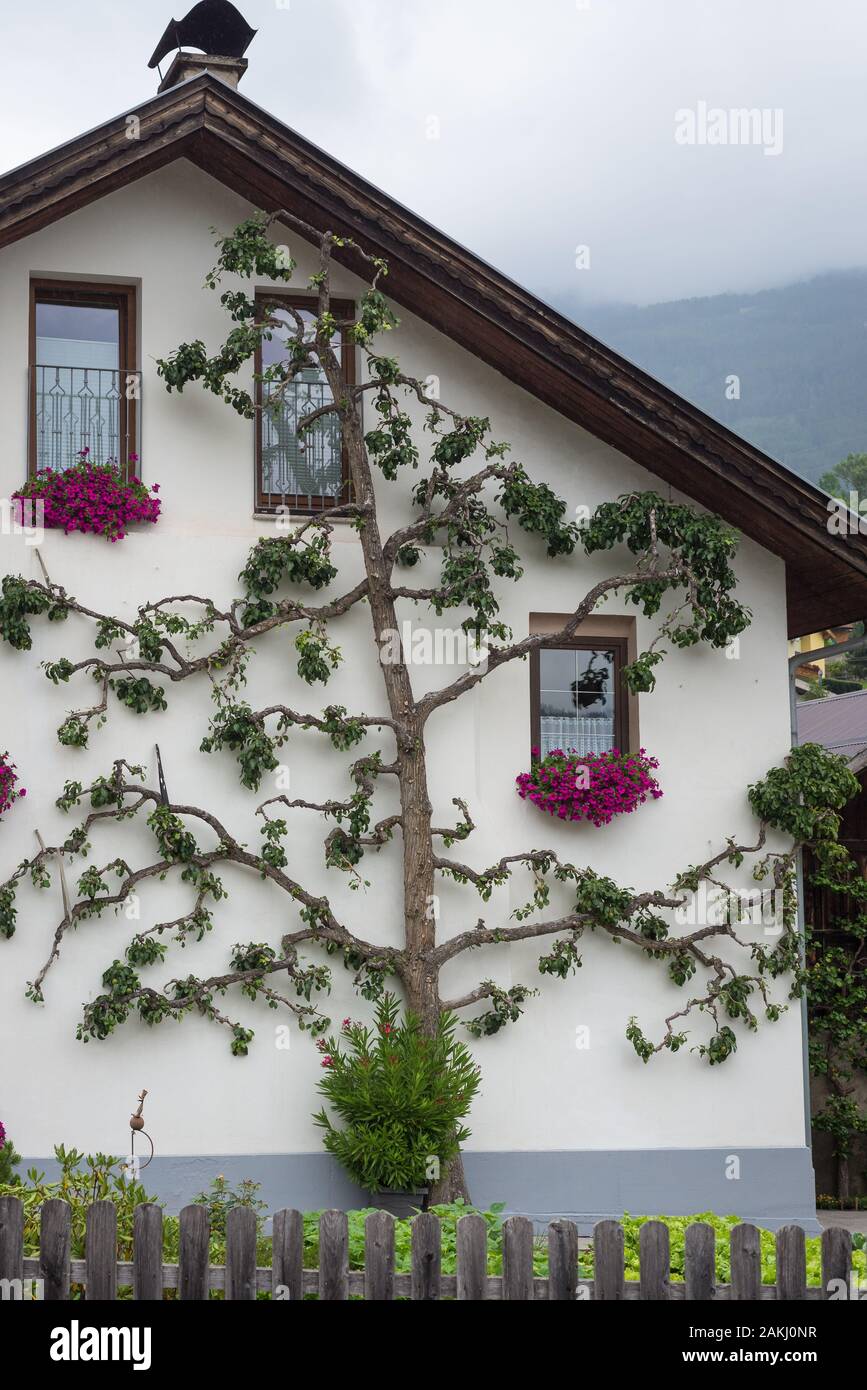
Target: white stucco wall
{"type": "Point", "coordinates": [715, 724]}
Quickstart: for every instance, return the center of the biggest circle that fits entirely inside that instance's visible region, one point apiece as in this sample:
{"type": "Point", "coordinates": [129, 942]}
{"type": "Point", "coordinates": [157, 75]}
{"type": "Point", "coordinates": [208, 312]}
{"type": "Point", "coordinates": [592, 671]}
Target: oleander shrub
{"type": "Point", "coordinates": [399, 1096]}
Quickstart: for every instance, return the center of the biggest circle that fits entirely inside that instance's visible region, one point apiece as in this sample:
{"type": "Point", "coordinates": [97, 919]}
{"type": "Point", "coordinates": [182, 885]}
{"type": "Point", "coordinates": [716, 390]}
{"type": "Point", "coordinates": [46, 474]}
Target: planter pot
{"type": "Point", "coordinates": [401, 1205]}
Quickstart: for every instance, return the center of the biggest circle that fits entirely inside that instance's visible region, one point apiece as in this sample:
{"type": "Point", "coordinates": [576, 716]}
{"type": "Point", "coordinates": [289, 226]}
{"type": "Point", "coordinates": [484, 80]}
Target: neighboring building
{"type": "Point", "coordinates": [104, 243]}
{"type": "Point", "coordinates": [814, 670]}
{"type": "Point", "coordinates": [839, 723]}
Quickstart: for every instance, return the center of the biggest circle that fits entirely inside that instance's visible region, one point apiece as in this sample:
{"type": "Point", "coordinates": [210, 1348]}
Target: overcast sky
{"type": "Point", "coordinates": [554, 122]}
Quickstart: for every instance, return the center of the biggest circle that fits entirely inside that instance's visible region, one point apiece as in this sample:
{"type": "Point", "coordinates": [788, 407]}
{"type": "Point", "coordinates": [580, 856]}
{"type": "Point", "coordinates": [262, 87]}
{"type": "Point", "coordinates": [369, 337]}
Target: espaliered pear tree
{"type": "Point", "coordinates": [474, 507]}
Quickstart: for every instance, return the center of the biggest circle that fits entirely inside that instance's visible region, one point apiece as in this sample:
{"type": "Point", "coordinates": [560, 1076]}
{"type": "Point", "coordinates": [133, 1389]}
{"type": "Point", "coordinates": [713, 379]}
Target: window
{"type": "Point", "coordinates": [308, 474]}
{"type": "Point", "coordinates": [84, 388]}
{"type": "Point", "coordinates": [577, 701]}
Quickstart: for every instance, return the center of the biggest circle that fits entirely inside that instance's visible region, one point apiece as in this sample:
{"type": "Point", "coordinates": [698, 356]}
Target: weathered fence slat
{"type": "Point", "coordinates": [836, 1262]}
{"type": "Point", "coordinates": [518, 1259]}
{"type": "Point", "coordinates": [562, 1260]}
{"type": "Point", "coordinates": [55, 1236]}
{"type": "Point", "coordinates": [472, 1257]}
{"type": "Point", "coordinates": [791, 1263]}
{"type": "Point", "coordinates": [609, 1277]}
{"type": "Point", "coordinates": [194, 1253]}
{"type": "Point", "coordinates": [426, 1257]}
{"type": "Point", "coordinates": [654, 1261]}
{"type": "Point", "coordinates": [11, 1239]}
{"type": "Point", "coordinates": [100, 1252]}
{"type": "Point", "coordinates": [746, 1260]}
{"type": "Point", "coordinates": [147, 1283]}
{"type": "Point", "coordinates": [241, 1279]}
{"type": "Point", "coordinates": [379, 1257]}
{"type": "Point", "coordinates": [241, 1254]}
{"type": "Point", "coordinates": [287, 1260]}
{"type": "Point", "coordinates": [700, 1261]}
{"type": "Point", "coordinates": [334, 1257]}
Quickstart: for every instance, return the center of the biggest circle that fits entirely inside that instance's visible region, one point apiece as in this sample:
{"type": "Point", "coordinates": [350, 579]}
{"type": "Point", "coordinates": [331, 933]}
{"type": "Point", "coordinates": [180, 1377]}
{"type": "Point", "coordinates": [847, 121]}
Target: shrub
{"type": "Point", "coordinates": [8, 1159]}
{"type": "Point", "coordinates": [220, 1199]}
{"type": "Point", "coordinates": [591, 786]}
{"type": "Point", "coordinates": [10, 792]}
{"type": "Point", "coordinates": [92, 497]}
{"type": "Point", "coordinates": [83, 1179]}
{"type": "Point", "coordinates": [401, 1097]}
{"type": "Point", "coordinates": [841, 687]}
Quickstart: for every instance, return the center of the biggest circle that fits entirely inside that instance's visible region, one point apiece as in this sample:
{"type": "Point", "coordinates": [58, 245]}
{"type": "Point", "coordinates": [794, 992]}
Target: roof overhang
{"type": "Point", "coordinates": [245, 148]}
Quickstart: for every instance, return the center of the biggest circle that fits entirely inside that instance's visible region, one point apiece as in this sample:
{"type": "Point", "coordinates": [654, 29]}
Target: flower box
{"type": "Point", "coordinates": [589, 786]}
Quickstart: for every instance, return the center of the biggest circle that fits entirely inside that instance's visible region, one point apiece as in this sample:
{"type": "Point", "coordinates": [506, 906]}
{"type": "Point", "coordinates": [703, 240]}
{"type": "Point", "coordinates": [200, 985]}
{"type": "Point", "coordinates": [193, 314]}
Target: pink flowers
{"type": "Point", "coordinates": [92, 497]}
{"type": "Point", "coordinates": [592, 786]}
{"type": "Point", "coordinates": [9, 791]}
{"type": "Point", "coordinates": [327, 1062]}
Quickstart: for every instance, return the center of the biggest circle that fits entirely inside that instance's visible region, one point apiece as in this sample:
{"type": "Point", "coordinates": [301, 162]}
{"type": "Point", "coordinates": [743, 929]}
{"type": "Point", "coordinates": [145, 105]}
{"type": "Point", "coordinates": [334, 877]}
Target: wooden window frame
{"type": "Point", "coordinates": [94, 294]}
{"type": "Point", "coordinates": [617, 645]}
{"type": "Point", "coordinates": [303, 504]}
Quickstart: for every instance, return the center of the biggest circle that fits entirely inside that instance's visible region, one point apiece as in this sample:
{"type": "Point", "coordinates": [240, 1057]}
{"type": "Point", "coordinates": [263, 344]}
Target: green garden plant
{"type": "Point", "coordinates": [9, 1159]}
{"type": "Point", "coordinates": [400, 1096]}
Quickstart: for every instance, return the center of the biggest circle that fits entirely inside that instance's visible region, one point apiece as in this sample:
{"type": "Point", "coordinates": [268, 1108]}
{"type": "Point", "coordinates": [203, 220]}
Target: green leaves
{"type": "Point", "coordinates": [373, 315]}
{"type": "Point", "coordinates": [273, 852]}
{"type": "Point", "coordinates": [506, 1007]}
{"type": "Point", "coordinates": [237, 728]}
{"type": "Point", "coordinates": [317, 658]}
{"type": "Point", "coordinates": [721, 1046]}
{"type": "Point", "coordinates": [638, 676]}
{"type": "Point", "coordinates": [91, 884]}
{"type": "Point", "coordinates": [8, 911]}
{"type": "Point", "coordinates": [803, 797]}
{"type": "Point", "coordinates": [391, 444]}
{"type": "Point", "coordinates": [539, 511]}
{"type": "Point", "coordinates": [705, 545]}
{"type": "Point", "coordinates": [20, 600]}
{"type": "Point", "coordinates": [138, 694]}
{"type": "Point", "coordinates": [145, 950]}
{"type": "Point", "coordinates": [277, 560]}
{"type": "Point", "coordinates": [562, 960]}
{"type": "Point", "coordinates": [73, 732]}
{"type": "Point", "coordinates": [58, 671]}
{"type": "Point", "coordinates": [175, 841]}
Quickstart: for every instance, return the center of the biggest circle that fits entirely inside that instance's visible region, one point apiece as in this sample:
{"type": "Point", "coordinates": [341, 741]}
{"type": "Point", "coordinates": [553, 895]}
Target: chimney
{"type": "Point", "coordinates": [186, 65]}
{"type": "Point", "coordinates": [222, 34]}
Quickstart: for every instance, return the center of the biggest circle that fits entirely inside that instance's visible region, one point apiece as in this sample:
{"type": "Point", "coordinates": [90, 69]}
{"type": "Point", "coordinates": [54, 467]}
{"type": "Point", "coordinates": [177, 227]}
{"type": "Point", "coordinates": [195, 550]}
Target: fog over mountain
{"type": "Point", "coordinates": [798, 355]}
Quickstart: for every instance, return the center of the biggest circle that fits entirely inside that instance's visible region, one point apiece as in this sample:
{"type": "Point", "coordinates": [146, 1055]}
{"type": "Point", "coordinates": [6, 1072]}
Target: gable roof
{"type": "Point", "coordinates": [215, 127]}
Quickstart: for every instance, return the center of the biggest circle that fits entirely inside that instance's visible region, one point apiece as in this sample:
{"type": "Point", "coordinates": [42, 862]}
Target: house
{"type": "Point", "coordinates": [104, 244]}
{"type": "Point", "coordinates": [839, 723]}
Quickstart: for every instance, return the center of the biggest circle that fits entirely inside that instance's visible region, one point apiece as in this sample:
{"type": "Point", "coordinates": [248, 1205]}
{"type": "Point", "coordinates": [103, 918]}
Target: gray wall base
{"type": "Point", "coordinates": [775, 1186]}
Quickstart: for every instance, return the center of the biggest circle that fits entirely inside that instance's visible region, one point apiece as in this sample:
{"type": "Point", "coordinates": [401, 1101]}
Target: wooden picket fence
{"type": "Point", "coordinates": [193, 1277]}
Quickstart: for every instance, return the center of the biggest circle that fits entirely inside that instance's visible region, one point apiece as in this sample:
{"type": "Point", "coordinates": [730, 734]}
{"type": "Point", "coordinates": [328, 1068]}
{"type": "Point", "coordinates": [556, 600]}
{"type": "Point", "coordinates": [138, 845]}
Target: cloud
{"type": "Point", "coordinates": [527, 130]}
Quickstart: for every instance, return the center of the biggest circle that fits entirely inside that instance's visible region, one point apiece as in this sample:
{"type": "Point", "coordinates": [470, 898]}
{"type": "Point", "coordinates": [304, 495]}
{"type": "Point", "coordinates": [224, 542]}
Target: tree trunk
{"type": "Point", "coordinates": [843, 1177]}
{"type": "Point", "coordinates": [420, 979]}
{"type": "Point", "coordinates": [451, 1184]}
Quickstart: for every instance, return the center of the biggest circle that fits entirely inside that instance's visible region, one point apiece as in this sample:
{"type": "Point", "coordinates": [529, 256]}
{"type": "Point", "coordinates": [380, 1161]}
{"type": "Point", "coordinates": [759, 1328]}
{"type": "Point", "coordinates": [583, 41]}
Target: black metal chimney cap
{"type": "Point", "coordinates": [214, 26]}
